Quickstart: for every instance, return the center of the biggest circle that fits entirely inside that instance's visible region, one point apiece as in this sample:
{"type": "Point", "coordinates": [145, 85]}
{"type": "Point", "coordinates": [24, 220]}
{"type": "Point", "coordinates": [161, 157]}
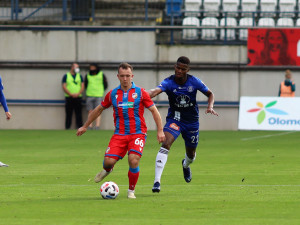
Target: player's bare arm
{"type": "Point", "coordinates": [8, 115]}
{"type": "Point", "coordinates": [154, 92]}
{"type": "Point", "coordinates": [210, 106]}
{"type": "Point", "coordinates": [157, 118]}
{"type": "Point", "coordinates": [94, 114]}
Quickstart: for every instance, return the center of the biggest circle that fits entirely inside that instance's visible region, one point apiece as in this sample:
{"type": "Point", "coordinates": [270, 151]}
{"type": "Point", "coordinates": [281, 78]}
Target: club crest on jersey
{"type": "Point", "coordinates": [190, 88]}
{"type": "Point", "coordinates": [134, 95]}
{"type": "Point", "coordinates": [107, 150]}
{"type": "Point", "coordinates": [174, 126]}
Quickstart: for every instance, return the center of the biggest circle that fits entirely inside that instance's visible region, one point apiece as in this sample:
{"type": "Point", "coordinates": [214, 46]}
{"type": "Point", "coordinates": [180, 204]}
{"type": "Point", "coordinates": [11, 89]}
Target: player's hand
{"type": "Point", "coordinates": [211, 111]}
{"type": "Point", "coordinates": [81, 131]}
{"type": "Point", "coordinates": [8, 115]}
{"type": "Point", "coordinates": [161, 136]}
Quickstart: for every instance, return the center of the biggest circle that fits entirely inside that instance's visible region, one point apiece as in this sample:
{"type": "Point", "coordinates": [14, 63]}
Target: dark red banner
{"type": "Point", "coordinates": [273, 47]}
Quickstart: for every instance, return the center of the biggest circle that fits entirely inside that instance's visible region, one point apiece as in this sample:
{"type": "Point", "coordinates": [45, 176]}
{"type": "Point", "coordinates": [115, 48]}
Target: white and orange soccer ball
{"type": "Point", "coordinates": [109, 190]}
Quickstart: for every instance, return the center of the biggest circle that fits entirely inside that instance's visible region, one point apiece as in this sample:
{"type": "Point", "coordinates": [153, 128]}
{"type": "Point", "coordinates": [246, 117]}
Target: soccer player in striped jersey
{"type": "Point", "coordinates": [182, 118]}
{"type": "Point", "coordinates": [7, 113]}
{"type": "Point", "coordinates": [130, 134]}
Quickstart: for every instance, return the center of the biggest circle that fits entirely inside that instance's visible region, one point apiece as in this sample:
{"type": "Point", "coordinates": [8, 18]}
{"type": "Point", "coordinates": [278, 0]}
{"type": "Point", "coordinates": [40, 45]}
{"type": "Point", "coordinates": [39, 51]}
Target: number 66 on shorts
{"type": "Point", "coordinates": [119, 145]}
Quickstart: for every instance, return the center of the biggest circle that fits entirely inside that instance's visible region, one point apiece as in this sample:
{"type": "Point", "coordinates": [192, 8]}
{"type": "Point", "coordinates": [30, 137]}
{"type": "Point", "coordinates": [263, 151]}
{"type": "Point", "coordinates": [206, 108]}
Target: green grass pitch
{"type": "Point", "coordinates": [239, 178]}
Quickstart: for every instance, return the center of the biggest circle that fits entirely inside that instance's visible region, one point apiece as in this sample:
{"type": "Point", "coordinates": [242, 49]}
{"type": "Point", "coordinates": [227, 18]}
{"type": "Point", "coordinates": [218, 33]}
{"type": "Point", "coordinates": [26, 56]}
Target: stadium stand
{"type": "Point", "coordinates": [190, 34]}
{"type": "Point", "coordinates": [231, 7]}
{"type": "Point", "coordinates": [228, 34]}
{"type": "Point", "coordinates": [209, 34]}
{"type": "Point", "coordinates": [211, 7]}
{"type": "Point", "coordinates": [285, 22]}
{"type": "Point", "coordinates": [268, 8]}
{"type": "Point", "coordinates": [287, 8]}
{"type": "Point", "coordinates": [245, 22]}
{"type": "Point", "coordinates": [249, 6]}
{"type": "Point", "coordinates": [266, 22]}
{"type": "Point", "coordinates": [191, 6]}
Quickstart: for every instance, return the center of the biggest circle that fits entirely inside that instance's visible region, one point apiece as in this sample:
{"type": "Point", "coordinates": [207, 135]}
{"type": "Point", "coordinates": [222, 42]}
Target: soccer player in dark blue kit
{"type": "Point", "coordinates": [4, 104]}
{"type": "Point", "coordinates": [182, 118]}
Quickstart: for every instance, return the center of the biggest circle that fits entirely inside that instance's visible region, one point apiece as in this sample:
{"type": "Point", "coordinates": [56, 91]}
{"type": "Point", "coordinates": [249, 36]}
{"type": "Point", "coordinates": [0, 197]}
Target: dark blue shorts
{"type": "Point", "coordinates": [189, 132]}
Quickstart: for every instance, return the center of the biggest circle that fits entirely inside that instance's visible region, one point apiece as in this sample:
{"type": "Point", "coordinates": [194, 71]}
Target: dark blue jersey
{"type": "Point", "coordinates": [182, 98]}
{"type": "Point", "coordinates": [2, 98]}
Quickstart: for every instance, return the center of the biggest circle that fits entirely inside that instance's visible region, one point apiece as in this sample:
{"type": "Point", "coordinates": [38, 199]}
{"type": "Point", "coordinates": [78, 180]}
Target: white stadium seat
{"type": "Point", "coordinates": [297, 22]}
{"type": "Point", "coordinates": [190, 34]}
{"type": "Point", "coordinates": [212, 7]}
{"type": "Point", "coordinates": [287, 7]}
{"type": "Point", "coordinates": [249, 6]}
{"type": "Point", "coordinates": [191, 6]}
{"type": "Point", "coordinates": [266, 22]}
{"type": "Point", "coordinates": [285, 22]}
{"type": "Point", "coordinates": [230, 33]}
{"type": "Point", "coordinates": [268, 8]}
{"type": "Point", "coordinates": [245, 22]}
{"type": "Point", "coordinates": [209, 34]}
{"type": "Point", "coordinates": [231, 6]}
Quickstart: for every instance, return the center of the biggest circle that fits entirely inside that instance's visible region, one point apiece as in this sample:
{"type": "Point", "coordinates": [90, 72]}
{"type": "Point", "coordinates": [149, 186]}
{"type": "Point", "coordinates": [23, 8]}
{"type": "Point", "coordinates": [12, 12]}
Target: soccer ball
{"type": "Point", "coordinates": [109, 190]}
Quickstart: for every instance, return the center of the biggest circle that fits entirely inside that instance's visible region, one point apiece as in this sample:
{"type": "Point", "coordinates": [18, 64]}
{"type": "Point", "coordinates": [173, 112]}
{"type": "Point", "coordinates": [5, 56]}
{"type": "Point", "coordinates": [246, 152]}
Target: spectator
{"type": "Point", "coordinates": [73, 87]}
{"type": "Point", "coordinates": [95, 84]}
{"type": "Point", "coordinates": [287, 87]}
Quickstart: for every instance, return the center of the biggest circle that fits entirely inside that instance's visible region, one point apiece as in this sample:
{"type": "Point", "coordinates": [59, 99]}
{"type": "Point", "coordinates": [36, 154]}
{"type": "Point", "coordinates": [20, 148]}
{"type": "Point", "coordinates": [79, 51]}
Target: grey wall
{"type": "Point", "coordinates": [82, 46]}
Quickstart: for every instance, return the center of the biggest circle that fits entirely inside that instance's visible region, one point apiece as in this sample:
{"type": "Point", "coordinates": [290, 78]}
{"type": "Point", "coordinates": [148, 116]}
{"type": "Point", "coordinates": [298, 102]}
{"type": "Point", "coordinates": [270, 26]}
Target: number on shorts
{"type": "Point", "coordinates": [195, 139]}
{"type": "Point", "coordinates": [139, 142]}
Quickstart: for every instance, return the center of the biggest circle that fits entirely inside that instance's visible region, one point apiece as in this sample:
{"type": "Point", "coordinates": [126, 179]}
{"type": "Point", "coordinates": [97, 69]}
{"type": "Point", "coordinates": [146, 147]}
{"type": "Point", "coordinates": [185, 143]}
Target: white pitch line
{"type": "Point", "coordinates": [267, 136]}
{"type": "Point", "coordinates": [168, 185]}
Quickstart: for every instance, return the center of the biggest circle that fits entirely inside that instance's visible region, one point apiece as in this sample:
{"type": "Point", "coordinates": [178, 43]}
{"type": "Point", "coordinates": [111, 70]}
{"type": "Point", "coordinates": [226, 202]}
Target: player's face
{"type": "Point", "coordinates": [125, 76]}
{"type": "Point", "coordinates": [181, 70]}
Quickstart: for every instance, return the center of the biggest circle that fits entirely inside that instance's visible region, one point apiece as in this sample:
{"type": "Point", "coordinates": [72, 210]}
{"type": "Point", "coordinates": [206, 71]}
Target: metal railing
{"type": "Point", "coordinates": [66, 10]}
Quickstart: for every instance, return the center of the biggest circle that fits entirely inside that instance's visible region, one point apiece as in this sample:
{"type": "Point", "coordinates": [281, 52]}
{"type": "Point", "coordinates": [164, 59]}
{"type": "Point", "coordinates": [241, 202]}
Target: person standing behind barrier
{"type": "Point", "coordinates": [95, 84]}
{"type": "Point", "coordinates": [287, 87]}
{"type": "Point", "coordinates": [7, 113]}
{"type": "Point", "coordinates": [73, 87]}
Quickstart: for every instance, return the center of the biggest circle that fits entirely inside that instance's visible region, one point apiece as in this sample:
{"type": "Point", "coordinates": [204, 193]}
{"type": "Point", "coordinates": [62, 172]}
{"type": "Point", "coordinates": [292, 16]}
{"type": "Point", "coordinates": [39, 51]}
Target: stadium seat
{"type": "Point", "coordinates": [211, 7]}
{"type": "Point", "coordinates": [230, 33]}
{"type": "Point", "coordinates": [209, 34]}
{"type": "Point", "coordinates": [249, 6]}
{"type": "Point", "coordinates": [268, 8]}
{"type": "Point", "coordinates": [287, 7]}
{"type": "Point", "coordinates": [245, 22]}
{"type": "Point", "coordinates": [266, 22]}
{"type": "Point", "coordinates": [190, 34]}
{"type": "Point", "coordinates": [231, 7]}
{"type": "Point", "coordinates": [191, 6]}
{"type": "Point", "coordinates": [297, 22]}
{"type": "Point", "coordinates": [285, 22]}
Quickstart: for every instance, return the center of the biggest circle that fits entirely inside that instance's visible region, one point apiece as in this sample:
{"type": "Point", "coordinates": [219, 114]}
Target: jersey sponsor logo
{"type": "Point", "coordinates": [190, 88]}
{"type": "Point", "coordinates": [183, 101]}
{"type": "Point", "coordinates": [134, 95]}
{"type": "Point", "coordinates": [107, 150]}
{"type": "Point", "coordinates": [125, 104]}
{"type": "Point", "coordinates": [174, 126]}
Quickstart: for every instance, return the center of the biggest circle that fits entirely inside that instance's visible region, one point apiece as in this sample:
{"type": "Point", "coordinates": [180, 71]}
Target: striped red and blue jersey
{"type": "Point", "coordinates": [128, 107]}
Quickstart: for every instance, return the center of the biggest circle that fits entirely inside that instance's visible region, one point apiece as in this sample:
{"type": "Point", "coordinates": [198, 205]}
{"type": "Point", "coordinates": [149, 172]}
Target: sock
{"type": "Point", "coordinates": [188, 161]}
{"type": "Point", "coordinates": [133, 176]}
{"type": "Point", "coordinates": [161, 160]}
